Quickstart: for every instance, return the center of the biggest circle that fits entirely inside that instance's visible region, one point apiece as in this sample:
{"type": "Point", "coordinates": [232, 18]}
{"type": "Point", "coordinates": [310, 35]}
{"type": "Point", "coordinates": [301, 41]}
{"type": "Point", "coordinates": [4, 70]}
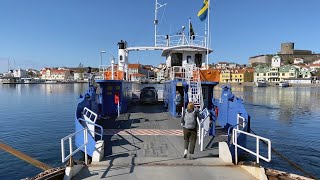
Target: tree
{"type": "Point", "coordinates": [289, 60]}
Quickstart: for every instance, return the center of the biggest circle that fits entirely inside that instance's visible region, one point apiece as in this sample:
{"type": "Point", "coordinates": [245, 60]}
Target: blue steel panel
{"type": "Point", "coordinates": [79, 139]}
{"type": "Point", "coordinates": [229, 107]}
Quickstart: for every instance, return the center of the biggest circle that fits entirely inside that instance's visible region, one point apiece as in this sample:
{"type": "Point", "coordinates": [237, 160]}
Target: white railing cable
{"type": "Point", "coordinates": [237, 132]}
{"type": "Point", "coordinates": [178, 40]}
{"type": "Point", "coordinates": [71, 152]}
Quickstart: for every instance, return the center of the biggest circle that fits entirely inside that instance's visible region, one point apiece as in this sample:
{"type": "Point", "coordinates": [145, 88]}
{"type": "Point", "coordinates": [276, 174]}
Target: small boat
{"type": "Point", "coordinates": [261, 83]}
{"type": "Point", "coordinates": [283, 84]}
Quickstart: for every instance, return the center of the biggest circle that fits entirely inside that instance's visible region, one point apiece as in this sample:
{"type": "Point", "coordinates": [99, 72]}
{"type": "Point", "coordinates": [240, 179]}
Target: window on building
{"type": "Point", "coordinates": [176, 59]}
{"type": "Point", "coordinates": [257, 74]}
{"type": "Point", "coordinates": [198, 60]}
{"type": "Point", "coordinates": [283, 74]}
{"type": "Point", "coordinates": [264, 74]}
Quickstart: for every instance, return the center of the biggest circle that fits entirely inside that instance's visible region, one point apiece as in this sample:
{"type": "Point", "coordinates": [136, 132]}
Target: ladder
{"type": "Point", "coordinates": [192, 76]}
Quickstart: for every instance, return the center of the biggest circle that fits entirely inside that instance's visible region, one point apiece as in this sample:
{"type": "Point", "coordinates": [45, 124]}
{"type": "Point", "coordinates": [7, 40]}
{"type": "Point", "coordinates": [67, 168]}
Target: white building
{"type": "Point", "coordinates": [55, 74]}
{"type": "Point", "coordinates": [276, 61]}
{"type": "Point", "coordinates": [20, 73]}
{"type": "Point", "coordinates": [298, 61]}
{"type": "Point", "coordinates": [314, 67]}
{"type": "Point", "coordinates": [78, 76]}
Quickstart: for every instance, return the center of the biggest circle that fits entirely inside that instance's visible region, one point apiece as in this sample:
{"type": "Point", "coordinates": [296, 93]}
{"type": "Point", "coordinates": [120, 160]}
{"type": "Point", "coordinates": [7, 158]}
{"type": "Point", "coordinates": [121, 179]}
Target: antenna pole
{"type": "Point", "coordinates": [155, 23]}
{"type": "Point", "coordinates": [157, 6]}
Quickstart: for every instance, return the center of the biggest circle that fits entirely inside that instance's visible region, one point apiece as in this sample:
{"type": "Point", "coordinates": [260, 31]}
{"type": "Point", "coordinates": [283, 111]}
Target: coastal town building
{"type": "Point", "coordinates": [136, 72]}
{"type": "Point", "coordinates": [225, 76]}
{"type": "Point", "coordinates": [20, 73]}
{"type": "Point", "coordinates": [226, 65]}
{"type": "Point", "coordinates": [298, 73]}
{"type": "Point", "coordinates": [236, 75]}
{"type": "Point", "coordinates": [298, 61]}
{"type": "Point", "coordinates": [78, 76]}
{"type": "Point", "coordinates": [288, 54]}
{"type": "Point", "coordinates": [59, 74]}
{"type": "Point", "coordinates": [140, 73]}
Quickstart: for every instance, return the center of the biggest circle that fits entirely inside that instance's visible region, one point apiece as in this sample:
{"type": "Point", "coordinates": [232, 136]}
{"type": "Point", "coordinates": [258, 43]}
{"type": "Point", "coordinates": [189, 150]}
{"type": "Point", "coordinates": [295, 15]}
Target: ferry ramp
{"type": "Point", "coordinates": [147, 143]}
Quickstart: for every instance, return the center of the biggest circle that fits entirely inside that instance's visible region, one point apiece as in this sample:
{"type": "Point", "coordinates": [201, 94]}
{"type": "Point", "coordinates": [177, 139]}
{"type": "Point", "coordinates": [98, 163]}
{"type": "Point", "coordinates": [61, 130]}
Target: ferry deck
{"type": "Point", "coordinates": [147, 143]}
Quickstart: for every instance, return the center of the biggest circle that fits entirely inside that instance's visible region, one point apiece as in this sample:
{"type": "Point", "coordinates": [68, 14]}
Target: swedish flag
{"type": "Point", "coordinates": [202, 14]}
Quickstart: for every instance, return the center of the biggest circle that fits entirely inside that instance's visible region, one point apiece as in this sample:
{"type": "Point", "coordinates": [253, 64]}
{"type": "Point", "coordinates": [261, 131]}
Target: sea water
{"type": "Point", "coordinates": [34, 117]}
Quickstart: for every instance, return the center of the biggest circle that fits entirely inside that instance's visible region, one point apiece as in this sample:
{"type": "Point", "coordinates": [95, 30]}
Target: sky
{"type": "Point", "coordinates": [37, 33]}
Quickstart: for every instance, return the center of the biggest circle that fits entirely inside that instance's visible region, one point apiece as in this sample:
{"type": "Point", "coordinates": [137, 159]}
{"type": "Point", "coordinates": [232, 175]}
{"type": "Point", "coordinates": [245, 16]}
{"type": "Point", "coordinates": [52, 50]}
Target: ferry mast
{"type": "Point", "coordinates": [157, 6]}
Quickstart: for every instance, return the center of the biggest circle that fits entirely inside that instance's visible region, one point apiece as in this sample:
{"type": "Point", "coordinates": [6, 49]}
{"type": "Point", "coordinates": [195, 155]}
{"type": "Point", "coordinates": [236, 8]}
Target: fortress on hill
{"type": "Point", "coordinates": [287, 54]}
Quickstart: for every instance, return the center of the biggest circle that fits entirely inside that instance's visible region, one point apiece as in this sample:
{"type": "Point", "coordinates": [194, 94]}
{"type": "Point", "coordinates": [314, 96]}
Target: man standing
{"type": "Point", "coordinates": [178, 102]}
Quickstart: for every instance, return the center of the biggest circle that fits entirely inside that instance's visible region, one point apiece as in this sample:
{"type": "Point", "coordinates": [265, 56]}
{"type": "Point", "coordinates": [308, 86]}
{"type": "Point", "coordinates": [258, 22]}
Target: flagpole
{"type": "Point", "coordinates": [208, 34]}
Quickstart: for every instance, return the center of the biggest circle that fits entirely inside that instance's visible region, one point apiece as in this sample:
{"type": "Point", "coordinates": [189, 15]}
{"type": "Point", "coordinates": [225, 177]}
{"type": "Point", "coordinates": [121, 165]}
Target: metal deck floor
{"type": "Point", "coordinates": [147, 143]}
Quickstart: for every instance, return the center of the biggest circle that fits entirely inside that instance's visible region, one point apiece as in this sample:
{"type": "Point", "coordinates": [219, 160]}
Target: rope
{"type": "Point", "coordinates": [286, 159]}
{"type": "Point", "coordinates": [24, 157]}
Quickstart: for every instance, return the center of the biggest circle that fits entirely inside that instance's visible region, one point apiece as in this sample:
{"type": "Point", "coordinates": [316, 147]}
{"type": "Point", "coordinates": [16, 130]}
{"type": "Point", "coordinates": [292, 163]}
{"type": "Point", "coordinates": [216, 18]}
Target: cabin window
{"type": "Point", "coordinates": [188, 59]}
{"type": "Point", "coordinates": [120, 57]}
{"type": "Point", "coordinates": [176, 59]}
{"type": "Point", "coordinates": [198, 60]}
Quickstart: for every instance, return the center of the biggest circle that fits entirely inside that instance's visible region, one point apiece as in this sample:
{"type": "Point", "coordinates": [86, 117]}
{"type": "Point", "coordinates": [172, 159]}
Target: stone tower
{"type": "Point", "coordinates": [287, 48]}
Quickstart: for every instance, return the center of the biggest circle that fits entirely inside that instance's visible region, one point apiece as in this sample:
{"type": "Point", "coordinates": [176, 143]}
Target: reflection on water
{"type": "Point", "coordinates": [290, 117]}
{"type": "Point", "coordinates": [34, 117]}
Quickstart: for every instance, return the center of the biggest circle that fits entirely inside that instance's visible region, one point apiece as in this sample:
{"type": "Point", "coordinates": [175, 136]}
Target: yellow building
{"type": "Point", "coordinates": [236, 75]}
{"type": "Point", "coordinates": [225, 76]}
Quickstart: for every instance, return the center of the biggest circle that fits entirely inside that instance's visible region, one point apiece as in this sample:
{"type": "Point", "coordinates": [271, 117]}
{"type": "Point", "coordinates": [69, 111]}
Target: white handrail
{"type": "Point", "coordinates": [71, 152]}
{"type": "Point", "coordinates": [235, 133]}
{"type": "Point", "coordinates": [242, 123]}
{"type": "Point", "coordinates": [96, 125]}
{"type": "Point", "coordinates": [203, 127]}
{"type": "Point", "coordinates": [90, 116]}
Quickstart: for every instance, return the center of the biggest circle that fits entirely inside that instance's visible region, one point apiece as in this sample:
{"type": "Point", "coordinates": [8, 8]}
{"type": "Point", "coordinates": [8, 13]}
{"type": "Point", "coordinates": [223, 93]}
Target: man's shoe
{"type": "Point", "coordinates": [185, 153]}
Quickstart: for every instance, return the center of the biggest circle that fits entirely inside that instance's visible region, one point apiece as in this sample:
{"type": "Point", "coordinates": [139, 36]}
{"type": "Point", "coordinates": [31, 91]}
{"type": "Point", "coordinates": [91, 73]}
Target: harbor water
{"type": "Point", "coordinates": [35, 117]}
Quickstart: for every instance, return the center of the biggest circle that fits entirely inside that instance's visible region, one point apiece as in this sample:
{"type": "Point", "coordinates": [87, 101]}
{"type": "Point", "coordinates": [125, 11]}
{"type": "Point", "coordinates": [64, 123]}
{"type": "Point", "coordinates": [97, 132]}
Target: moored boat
{"type": "Point", "coordinates": [283, 84]}
{"type": "Point", "coordinates": [261, 83]}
